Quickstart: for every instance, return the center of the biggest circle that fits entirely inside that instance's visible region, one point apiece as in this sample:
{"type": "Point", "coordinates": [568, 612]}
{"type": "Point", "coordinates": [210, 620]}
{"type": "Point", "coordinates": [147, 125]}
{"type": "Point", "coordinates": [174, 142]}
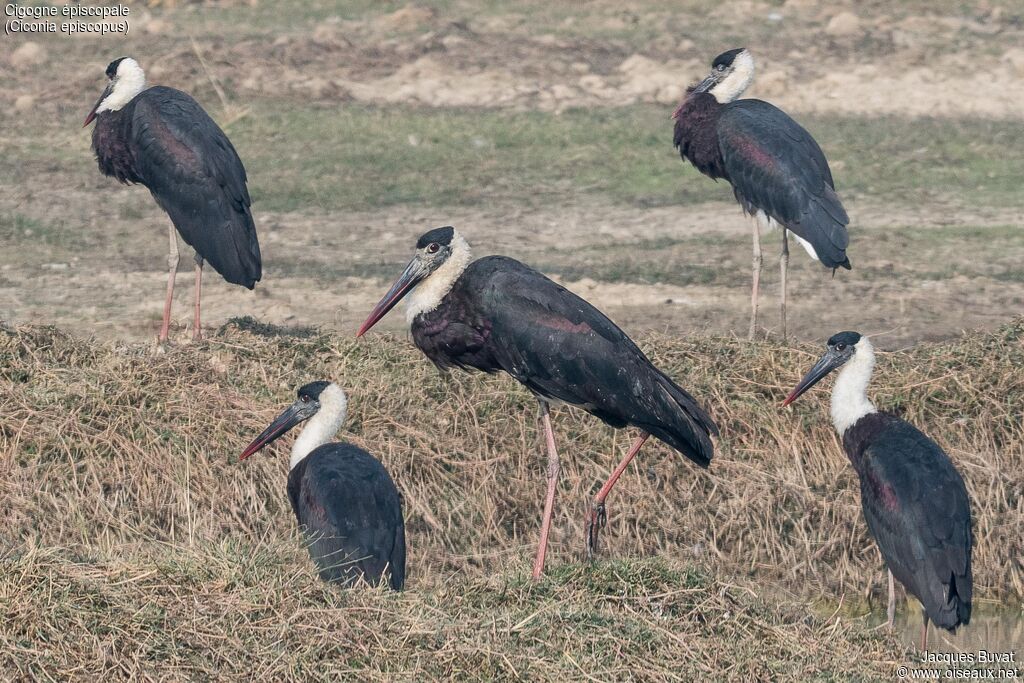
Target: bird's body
{"type": "Point", "coordinates": [777, 170]}
{"type": "Point", "coordinates": [916, 507]}
{"type": "Point", "coordinates": [503, 315]}
{"type": "Point", "coordinates": [163, 139]}
{"type": "Point", "coordinates": [914, 500]}
{"type": "Point", "coordinates": [496, 314]}
{"type": "Point", "coordinates": [345, 501]}
{"type": "Point", "coordinates": [350, 511]}
{"type": "Point", "coordinates": [774, 166]}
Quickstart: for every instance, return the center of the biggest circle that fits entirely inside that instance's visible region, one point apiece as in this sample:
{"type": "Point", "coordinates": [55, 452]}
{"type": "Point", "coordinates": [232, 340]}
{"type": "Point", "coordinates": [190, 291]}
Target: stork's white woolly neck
{"type": "Point", "coordinates": [738, 80]}
{"type": "Point", "coordinates": [322, 427]}
{"type": "Point", "coordinates": [428, 294]}
{"type": "Point", "coordinates": [850, 393]}
{"type": "Point", "coordinates": [129, 81]}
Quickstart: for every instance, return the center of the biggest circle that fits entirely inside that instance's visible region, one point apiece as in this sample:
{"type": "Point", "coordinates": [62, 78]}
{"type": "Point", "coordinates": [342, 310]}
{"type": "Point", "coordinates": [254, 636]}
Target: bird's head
{"type": "Point", "coordinates": [731, 74]}
{"type": "Point", "coordinates": [838, 351]}
{"type": "Point", "coordinates": [441, 256]}
{"type": "Point", "coordinates": [125, 80]}
{"type": "Point", "coordinates": [312, 398]}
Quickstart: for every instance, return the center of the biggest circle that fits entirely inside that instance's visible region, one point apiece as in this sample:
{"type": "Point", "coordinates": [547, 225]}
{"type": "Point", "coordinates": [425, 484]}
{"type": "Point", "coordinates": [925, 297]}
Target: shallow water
{"type": "Point", "coordinates": [993, 631]}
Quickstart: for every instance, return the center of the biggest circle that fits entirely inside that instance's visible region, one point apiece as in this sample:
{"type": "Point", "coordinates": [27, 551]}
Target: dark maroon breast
{"type": "Point", "coordinates": [110, 142]}
{"type": "Point", "coordinates": [455, 334]}
{"type": "Point", "coordinates": [696, 134]}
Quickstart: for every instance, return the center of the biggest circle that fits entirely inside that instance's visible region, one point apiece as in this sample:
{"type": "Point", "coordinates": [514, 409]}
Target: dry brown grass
{"type": "Point", "coordinates": [137, 542]}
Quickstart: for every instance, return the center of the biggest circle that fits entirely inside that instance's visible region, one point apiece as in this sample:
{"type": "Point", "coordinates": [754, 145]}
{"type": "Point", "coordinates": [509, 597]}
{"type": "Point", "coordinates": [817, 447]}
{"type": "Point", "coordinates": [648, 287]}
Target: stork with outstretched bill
{"type": "Point", "coordinates": [914, 500]}
{"type": "Point", "coordinates": [778, 172]}
{"type": "Point", "coordinates": [496, 314]}
{"type": "Point", "coordinates": [161, 138]}
{"type": "Point", "coordinates": [343, 498]}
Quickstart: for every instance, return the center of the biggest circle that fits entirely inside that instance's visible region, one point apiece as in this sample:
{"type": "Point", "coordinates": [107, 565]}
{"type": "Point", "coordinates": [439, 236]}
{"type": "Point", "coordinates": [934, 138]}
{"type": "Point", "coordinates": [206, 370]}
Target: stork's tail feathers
{"type": "Point", "coordinates": [824, 225]}
{"type": "Point", "coordinates": [241, 264]}
{"type": "Point", "coordinates": [956, 610]}
{"type": "Point", "coordinates": [683, 425]}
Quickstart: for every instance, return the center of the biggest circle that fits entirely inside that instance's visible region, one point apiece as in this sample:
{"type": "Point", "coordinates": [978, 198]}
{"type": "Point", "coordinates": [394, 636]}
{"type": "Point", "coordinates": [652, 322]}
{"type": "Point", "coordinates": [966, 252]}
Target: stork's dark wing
{"type": "Point", "coordinates": [563, 348]}
{"type": "Point", "coordinates": [776, 166]}
{"type": "Point", "coordinates": [917, 509]}
{"type": "Point", "coordinates": [352, 515]}
{"type": "Point", "coordinates": [194, 173]}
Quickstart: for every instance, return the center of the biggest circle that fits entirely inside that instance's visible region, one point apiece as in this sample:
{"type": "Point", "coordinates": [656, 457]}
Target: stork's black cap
{"type": "Point", "coordinates": [112, 67]}
{"type": "Point", "coordinates": [725, 59]}
{"type": "Point", "coordinates": [313, 389]}
{"type": "Point", "coordinates": [848, 338]}
{"type": "Point", "coordinates": [442, 236]}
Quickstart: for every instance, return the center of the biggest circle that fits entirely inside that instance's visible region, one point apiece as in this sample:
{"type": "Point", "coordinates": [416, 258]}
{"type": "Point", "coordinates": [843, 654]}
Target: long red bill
{"type": "Point", "coordinates": [92, 113]}
{"type": "Point", "coordinates": [825, 365]}
{"type": "Point", "coordinates": [285, 421]}
{"type": "Point", "coordinates": [409, 278]}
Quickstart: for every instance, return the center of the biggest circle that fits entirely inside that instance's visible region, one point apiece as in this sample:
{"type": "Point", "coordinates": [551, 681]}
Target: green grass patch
{"type": "Point", "coordinates": [359, 157]}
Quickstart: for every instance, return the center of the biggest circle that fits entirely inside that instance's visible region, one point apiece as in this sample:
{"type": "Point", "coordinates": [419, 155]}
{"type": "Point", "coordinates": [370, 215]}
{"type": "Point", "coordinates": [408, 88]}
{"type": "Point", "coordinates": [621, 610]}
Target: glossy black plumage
{"type": "Point", "coordinates": [164, 140]}
{"type": "Point", "coordinates": [916, 507]}
{"type": "Point", "coordinates": [503, 315]}
{"type": "Point", "coordinates": [351, 514]}
{"type": "Point", "coordinates": [773, 164]}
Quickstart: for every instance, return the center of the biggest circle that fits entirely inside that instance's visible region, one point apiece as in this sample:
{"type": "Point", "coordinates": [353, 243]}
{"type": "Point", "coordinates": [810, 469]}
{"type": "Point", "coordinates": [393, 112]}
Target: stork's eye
{"type": "Point", "coordinates": [720, 67]}
{"type": "Point", "coordinates": [304, 398]}
{"type": "Point", "coordinates": [841, 346]}
{"type": "Point", "coordinates": [433, 248]}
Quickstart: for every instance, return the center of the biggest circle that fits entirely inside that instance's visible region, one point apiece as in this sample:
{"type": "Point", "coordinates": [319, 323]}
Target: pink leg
{"type": "Point", "coordinates": [597, 517]}
{"type": "Point", "coordinates": [784, 267]}
{"type": "Point", "coordinates": [891, 610]}
{"type": "Point", "coordinates": [172, 265]}
{"type": "Point", "coordinates": [756, 277]}
{"type": "Point", "coordinates": [924, 632]}
{"type": "Point", "coordinates": [197, 328]}
{"type": "Point", "coordinates": [549, 500]}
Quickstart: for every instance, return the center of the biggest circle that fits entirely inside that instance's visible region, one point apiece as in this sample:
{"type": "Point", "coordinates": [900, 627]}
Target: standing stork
{"type": "Point", "coordinates": [778, 172]}
{"type": "Point", "coordinates": [161, 138]}
{"type": "Point", "coordinates": [914, 500]}
{"type": "Point", "coordinates": [497, 314]}
{"type": "Point", "coordinates": [343, 498]}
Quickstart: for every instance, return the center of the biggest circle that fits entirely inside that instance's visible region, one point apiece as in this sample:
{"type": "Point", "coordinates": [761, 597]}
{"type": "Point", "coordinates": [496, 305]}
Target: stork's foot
{"type": "Point", "coordinates": [597, 518]}
{"type": "Point", "coordinates": [197, 335]}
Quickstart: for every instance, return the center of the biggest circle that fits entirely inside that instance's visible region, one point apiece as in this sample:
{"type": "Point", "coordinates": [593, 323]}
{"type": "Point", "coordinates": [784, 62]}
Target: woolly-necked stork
{"type": "Point", "coordinates": [914, 500]}
{"type": "Point", "coordinates": [161, 138]}
{"type": "Point", "coordinates": [343, 498]}
{"type": "Point", "coordinates": [497, 314]}
{"type": "Point", "coordinates": [778, 172]}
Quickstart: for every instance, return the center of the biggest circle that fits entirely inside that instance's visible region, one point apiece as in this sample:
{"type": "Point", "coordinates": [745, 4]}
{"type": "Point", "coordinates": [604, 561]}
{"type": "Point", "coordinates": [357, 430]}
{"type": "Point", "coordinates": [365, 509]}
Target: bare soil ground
{"type": "Point", "coordinates": [683, 270]}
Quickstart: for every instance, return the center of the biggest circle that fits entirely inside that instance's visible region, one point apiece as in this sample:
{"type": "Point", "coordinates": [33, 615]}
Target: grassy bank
{"type": "Point", "coordinates": [135, 541]}
{"type": "Point", "coordinates": [108, 444]}
{"type": "Point", "coordinates": [239, 610]}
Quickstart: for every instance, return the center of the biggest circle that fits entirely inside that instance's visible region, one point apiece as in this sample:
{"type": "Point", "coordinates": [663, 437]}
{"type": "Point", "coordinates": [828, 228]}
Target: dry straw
{"type": "Point", "coordinates": [127, 518]}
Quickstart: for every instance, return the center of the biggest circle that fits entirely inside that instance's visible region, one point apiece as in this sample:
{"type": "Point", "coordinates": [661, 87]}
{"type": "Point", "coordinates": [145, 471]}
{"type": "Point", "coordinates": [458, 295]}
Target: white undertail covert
{"type": "Point", "coordinates": [427, 295]}
{"type": "Point", "coordinates": [850, 393]}
{"type": "Point", "coordinates": [322, 427]}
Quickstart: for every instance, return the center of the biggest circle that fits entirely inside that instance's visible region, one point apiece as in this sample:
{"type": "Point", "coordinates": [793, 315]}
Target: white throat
{"type": "Point", "coordinates": [322, 427]}
{"type": "Point", "coordinates": [850, 393]}
{"type": "Point", "coordinates": [738, 80]}
{"type": "Point", "coordinates": [428, 294]}
{"type": "Point", "coordinates": [129, 81]}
